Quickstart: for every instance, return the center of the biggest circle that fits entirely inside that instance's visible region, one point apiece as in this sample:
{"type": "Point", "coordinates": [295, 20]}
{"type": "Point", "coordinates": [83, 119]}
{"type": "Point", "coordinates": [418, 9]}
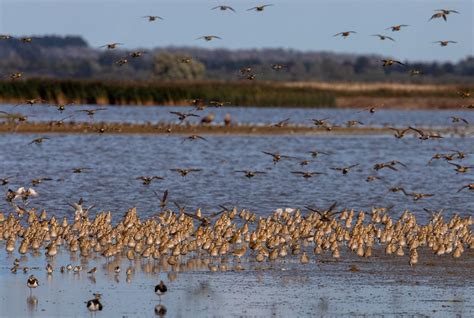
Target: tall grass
{"type": "Point", "coordinates": [251, 93]}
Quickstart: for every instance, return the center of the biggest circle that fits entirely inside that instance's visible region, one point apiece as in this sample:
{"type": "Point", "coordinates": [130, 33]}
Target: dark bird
{"type": "Point", "coordinates": [184, 172]}
{"type": "Point", "coordinates": [32, 282]}
{"type": "Point", "coordinates": [80, 170]}
{"type": "Point", "coordinates": [163, 199]}
{"type": "Point", "coordinates": [281, 123]}
{"type": "Point", "coordinates": [223, 8]}
{"type": "Point", "coordinates": [111, 46]}
{"type": "Point", "coordinates": [326, 215]}
{"type": "Point", "coordinates": [315, 153]}
{"type": "Point", "coordinates": [424, 135]}
{"type": "Point", "coordinates": [161, 289]}
{"type": "Point", "coordinates": [399, 133]}
{"type": "Point", "coordinates": [37, 181]}
{"type": "Point", "coordinates": [152, 18]}
{"type": "Point", "coordinates": [250, 173]}
{"type": "Point", "coordinates": [95, 304]}
{"type": "Point", "coordinates": [469, 186]}
{"type": "Point", "coordinates": [121, 62]}
{"type": "Point", "coordinates": [147, 180]}
{"type": "Point", "coordinates": [307, 174]}
{"type": "Point", "coordinates": [390, 165]}
{"type": "Point", "coordinates": [277, 157]}
{"type": "Point", "coordinates": [444, 43]}
{"type": "Point", "coordinates": [160, 310]}
{"type": "Point", "coordinates": [209, 37]}
{"type": "Point", "coordinates": [460, 168]}
{"type": "Point", "coordinates": [183, 116]}
{"type": "Point", "coordinates": [194, 137]}
{"type": "Point", "coordinates": [90, 112]}
{"type": "Point", "coordinates": [136, 54]}
{"type": "Point", "coordinates": [390, 62]}
{"type": "Point", "coordinates": [352, 123]}
{"type": "Point", "coordinates": [320, 122]}
{"type": "Point", "coordinates": [38, 141]}
{"type": "Point", "coordinates": [345, 170]}
{"type": "Point", "coordinates": [395, 28]}
{"type": "Point", "coordinates": [344, 34]}
{"type": "Point", "coordinates": [383, 37]}
{"type": "Point", "coordinates": [455, 119]}
{"type": "Point", "coordinates": [260, 8]}
{"type": "Point", "coordinates": [5, 181]}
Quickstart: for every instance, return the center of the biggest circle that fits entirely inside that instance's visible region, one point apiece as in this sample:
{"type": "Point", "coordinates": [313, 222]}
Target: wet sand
{"type": "Point", "coordinates": [439, 286]}
{"type": "Point", "coordinates": [127, 128]}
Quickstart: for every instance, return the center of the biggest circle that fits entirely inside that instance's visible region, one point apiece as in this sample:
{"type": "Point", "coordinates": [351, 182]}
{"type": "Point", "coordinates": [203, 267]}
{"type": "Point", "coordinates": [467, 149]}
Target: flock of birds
{"type": "Point", "coordinates": [229, 234]}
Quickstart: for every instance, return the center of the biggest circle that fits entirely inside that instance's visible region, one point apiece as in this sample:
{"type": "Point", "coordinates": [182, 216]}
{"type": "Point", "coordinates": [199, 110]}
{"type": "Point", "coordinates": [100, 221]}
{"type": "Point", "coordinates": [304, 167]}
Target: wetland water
{"type": "Point", "coordinates": [437, 286]}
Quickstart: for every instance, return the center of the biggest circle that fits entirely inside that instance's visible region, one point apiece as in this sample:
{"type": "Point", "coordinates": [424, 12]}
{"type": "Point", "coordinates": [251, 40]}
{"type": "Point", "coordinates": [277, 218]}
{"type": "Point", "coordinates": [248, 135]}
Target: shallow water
{"type": "Point", "coordinates": [250, 115]}
{"type": "Point", "coordinates": [115, 161]}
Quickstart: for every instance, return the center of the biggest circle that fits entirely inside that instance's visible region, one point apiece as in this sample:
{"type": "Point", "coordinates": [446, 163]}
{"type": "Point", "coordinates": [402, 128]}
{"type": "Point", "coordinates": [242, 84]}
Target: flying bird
{"type": "Point", "coordinates": [209, 37]}
{"type": "Point", "coordinates": [383, 37]}
{"type": "Point", "coordinates": [344, 34]}
{"type": "Point", "coordinates": [152, 18]}
{"type": "Point", "coordinates": [444, 43]}
{"type": "Point", "coordinates": [111, 46]}
{"type": "Point", "coordinates": [390, 62]}
{"type": "Point", "coordinates": [395, 28]}
{"type": "Point", "coordinates": [260, 8]}
{"type": "Point", "coordinates": [223, 8]}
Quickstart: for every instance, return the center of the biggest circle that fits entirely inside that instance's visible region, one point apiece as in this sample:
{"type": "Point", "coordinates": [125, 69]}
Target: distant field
{"type": "Point", "coordinates": [240, 93]}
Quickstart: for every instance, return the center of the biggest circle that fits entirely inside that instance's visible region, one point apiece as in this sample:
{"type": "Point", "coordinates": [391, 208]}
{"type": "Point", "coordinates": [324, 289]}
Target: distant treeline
{"type": "Point", "coordinates": [162, 93]}
{"type": "Point", "coordinates": [71, 57]}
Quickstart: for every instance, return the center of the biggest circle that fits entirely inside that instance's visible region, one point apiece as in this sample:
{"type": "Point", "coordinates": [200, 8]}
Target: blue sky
{"type": "Point", "coordinates": [300, 25]}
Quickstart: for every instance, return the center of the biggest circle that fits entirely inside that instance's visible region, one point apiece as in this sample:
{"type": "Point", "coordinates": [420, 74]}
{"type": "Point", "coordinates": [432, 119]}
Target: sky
{"type": "Point", "coordinates": [298, 25]}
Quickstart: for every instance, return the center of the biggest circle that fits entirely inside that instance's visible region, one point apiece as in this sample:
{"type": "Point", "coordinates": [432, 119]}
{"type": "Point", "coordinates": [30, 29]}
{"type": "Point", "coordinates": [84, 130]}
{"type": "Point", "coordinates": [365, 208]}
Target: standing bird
{"type": "Point", "coordinates": [224, 8]}
{"type": "Point", "coordinates": [32, 282]}
{"type": "Point", "coordinates": [344, 34]}
{"type": "Point", "coordinates": [95, 304]}
{"type": "Point", "coordinates": [161, 289]}
{"type": "Point", "coordinates": [260, 8]}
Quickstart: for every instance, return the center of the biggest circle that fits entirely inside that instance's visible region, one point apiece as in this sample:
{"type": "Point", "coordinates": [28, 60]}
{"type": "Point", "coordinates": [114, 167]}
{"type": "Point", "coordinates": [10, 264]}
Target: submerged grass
{"type": "Point", "coordinates": [164, 93]}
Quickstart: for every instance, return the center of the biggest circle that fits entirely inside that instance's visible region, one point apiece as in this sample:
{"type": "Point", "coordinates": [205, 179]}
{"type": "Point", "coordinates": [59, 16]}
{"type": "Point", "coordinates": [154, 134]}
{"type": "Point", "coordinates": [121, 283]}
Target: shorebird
{"type": "Point", "coordinates": [415, 72]}
{"type": "Point", "coordinates": [147, 180]}
{"type": "Point", "coordinates": [424, 135]}
{"type": "Point", "coordinates": [95, 304]}
{"type": "Point", "coordinates": [160, 310]}
{"type": "Point", "coordinates": [161, 289]}
{"type": "Point", "coordinates": [345, 170]}
{"type": "Point", "coordinates": [320, 122]}
{"type": "Point", "coordinates": [390, 62]}
{"type": "Point", "coordinates": [469, 186]}
{"type": "Point", "coordinates": [80, 170]}
{"type": "Point", "coordinates": [399, 133]}
{"type": "Point", "coordinates": [5, 37]}
{"type": "Point", "coordinates": [194, 137]}
{"type": "Point", "coordinates": [5, 180]}
{"type": "Point", "coordinates": [223, 8]}
{"type": "Point", "coordinates": [444, 43]}
{"type": "Point", "coordinates": [442, 13]}
{"type": "Point", "coordinates": [32, 101]}
{"type": "Point", "coordinates": [281, 123]}
{"type": "Point", "coordinates": [395, 28]}
{"type": "Point", "coordinates": [315, 153]}
{"type": "Point", "coordinates": [464, 94]}
{"type": "Point", "coordinates": [325, 215]}
{"type": "Point", "coordinates": [111, 46]}
{"type": "Point", "coordinates": [163, 199]}
{"type": "Point", "coordinates": [278, 67]}
{"type": "Point", "coordinates": [307, 174]}
{"type": "Point", "coordinates": [260, 8]}
{"type": "Point", "coordinates": [26, 40]}
{"type": "Point", "coordinates": [37, 181]}
{"type": "Point", "coordinates": [136, 54]}
{"type": "Point", "coordinates": [90, 112]}
{"type": "Point", "coordinates": [455, 119]}
{"type": "Point", "coordinates": [383, 37]}
{"type": "Point", "coordinates": [209, 37]}
{"type": "Point", "coordinates": [16, 75]}
{"type": "Point", "coordinates": [390, 165]}
{"type": "Point", "coordinates": [277, 156]}
{"type": "Point", "coordinates": [152, 18]}
{"type": "Point", "coordinates": [250, 173]}
{"type": "Point", "coordinates": [183, 116]}
{"type": "Point", "coordinates": [38, 141]}
{"type": "Point", "coordinates": [218, 103]}
{"type": "Point", "coordinates": [185, 172]}
{"type": "Point", "coordinates": [460, 168]}
{"type": "Point", "coordinates": [345, 34]}
{"type": "Point", "coordinates": [121, 61]}
{"type": "Point", "coordinates": [352, 123]}
{"type": "Point", "coordinates": [32, 282]}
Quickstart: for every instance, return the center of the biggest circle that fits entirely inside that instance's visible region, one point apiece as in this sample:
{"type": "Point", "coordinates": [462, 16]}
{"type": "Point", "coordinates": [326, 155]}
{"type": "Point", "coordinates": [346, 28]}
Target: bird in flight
{"type": "Point", "coordinates": [444, 43]}
{"type": "Point", "coordinates": [260, 8]}
{"type": "Point", "coordinates": [277, 157]}
{"type": "Point", "coordinates": [185, 172]}
{"type": "Point", "coordinates": [223, 8]}
{"type": "Point", "coordinates": [183, 116]}
{"type": "Point", "coordinates": [455, 119]}
{"type": "Point", "coordinates": [209, 37]}
{"type": "Point", "coordinates": [90, 112]}
{"type": "Point", "coordinates": [390, 62]}
{"type": "Point", "coordinates": [384, 37]}
{"type": "Point", "coordinates": [345, 170]}
{"type": "Point", "coordinates": [146, 180]}
{"type": "Point", "coordinates": [344, 34]}
{"type": "Point", "coordinates": [469, 186]}
{"type": "Point", "coordinates": [442, 13]}
{"type": "Point", "coordinates": [399, 133]}
{"type": "Point", "coordinates": [111, 46]}
{"type": "Point", "coordinates": [194, 137]}
{"type": "Point", "coordinates": [424, 135]}
{"type": "Point", "coordinates": [281, 123]}
{"type": "Point", "coordinates": [152, 18]}
{"type": "Point", "coordinates": [250, 173]}
{"type": "Point", "coordinates": [307, 174]}
{"type": "Point", "coordinates": [38, 141]}
{"type": "Point", "coordinates": [396, 28]}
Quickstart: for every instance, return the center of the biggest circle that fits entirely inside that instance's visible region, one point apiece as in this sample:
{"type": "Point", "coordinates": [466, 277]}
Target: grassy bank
{"type": "Point", "coordinates": [162, 93]}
